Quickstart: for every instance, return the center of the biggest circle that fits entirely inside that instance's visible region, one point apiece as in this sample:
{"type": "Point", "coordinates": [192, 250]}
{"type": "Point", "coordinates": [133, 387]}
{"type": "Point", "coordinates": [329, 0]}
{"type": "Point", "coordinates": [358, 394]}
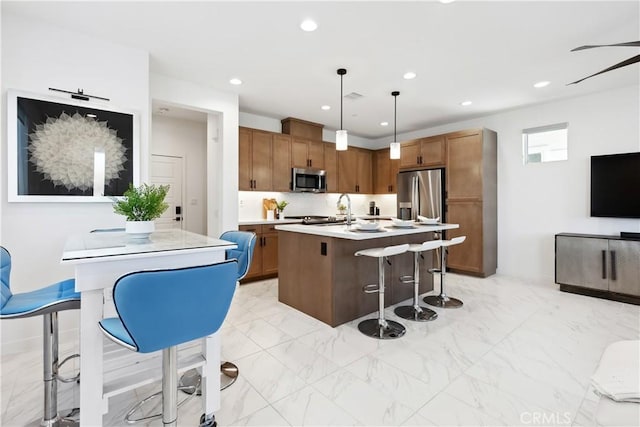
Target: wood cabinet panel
{"type": "Point", "coordinates": [624, 270]}
{"type": "Point", "coordinates": [316, 154]}
{"type": "Point", "coordinates": [255, 269]}
{"type": "Point", "coordinates": [410, 154]}
{"type": "Point", "coordinates": [261, 152]}
{"type": "Point", "coordinates": [265, 255]}
{"type": "Point", "coordinates": [582, 262]}
{"type": "Point", "coordinates": [299, 150]}
{"type": "Point", "coordinates": [347, 174]}
{"type": "Point", "coordinates": [270, 253]}
{"type": "Point", "coordinates": [281, 172]}
{"type": "Point", "coordinates": [433, 151]}
{"type": "Point", "coordinates": [364, 177]}
{"type": "Point", "coordinates": [331, 166]}
{"type": "Point", "coordinates": [244, 157]}
{"type": "Point", "coordinates": [385, 172]}
{"type": "Point", "coordinates": [467, 256]}
{"type": "Point", "coordinates": [464, 166]}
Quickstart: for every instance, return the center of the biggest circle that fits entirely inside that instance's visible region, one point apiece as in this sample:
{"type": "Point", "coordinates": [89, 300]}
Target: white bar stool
{"type": "Point", "coordinates": [415, 312]}
{"type": "Point", "coordinates": [381, 328]}
{"type": "Point", "coordinates": [443, 300]}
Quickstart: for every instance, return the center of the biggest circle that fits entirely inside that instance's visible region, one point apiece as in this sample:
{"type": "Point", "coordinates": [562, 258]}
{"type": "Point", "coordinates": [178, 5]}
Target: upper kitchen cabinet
{"type": "Point", "coordinates": [255, 160]}
{"type": "Point", "coordinates": [385, 172]}
{"type": "Point", "coordinates": [331, 166]}
{"type": "Point", "coordinates": [355, 171]}
{"type": "Point", "coordinates": [471, 198]}
{"type": "Point", "coordinates": [423, 153]}
{"type": "Point", "coordinates": [306, 153]}
{"type": "Point", "coordinates": [281, 172]}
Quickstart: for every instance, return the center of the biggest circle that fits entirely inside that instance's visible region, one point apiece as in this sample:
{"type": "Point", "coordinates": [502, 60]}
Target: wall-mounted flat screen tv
{"type": "Point", "coordinates": [615, 185]}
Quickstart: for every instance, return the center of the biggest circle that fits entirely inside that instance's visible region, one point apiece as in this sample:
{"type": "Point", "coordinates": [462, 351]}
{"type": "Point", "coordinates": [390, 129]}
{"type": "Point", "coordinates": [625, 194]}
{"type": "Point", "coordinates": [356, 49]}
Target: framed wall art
{"type": "Point", "coordinates": [67, 150]}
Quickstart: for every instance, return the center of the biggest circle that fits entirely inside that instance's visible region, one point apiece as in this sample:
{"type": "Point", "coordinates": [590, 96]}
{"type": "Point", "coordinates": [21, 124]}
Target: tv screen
{"type": "Point", "coordinates": [615, 185]}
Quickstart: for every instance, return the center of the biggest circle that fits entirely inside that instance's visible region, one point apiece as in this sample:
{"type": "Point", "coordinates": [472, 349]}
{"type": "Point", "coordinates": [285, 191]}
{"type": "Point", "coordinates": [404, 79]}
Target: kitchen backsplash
{"type": "Point", "coordinates": [312, 204]}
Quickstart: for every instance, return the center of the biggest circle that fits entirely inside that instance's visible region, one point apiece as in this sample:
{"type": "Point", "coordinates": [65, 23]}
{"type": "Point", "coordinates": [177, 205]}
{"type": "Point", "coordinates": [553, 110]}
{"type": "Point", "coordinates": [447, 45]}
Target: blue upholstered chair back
{"type": "Point", "coordinates": [164, 308]}
{"type": "Point", "coordinates": [5, 273]}
{"type": "Point", "coordinates": [246, 242]}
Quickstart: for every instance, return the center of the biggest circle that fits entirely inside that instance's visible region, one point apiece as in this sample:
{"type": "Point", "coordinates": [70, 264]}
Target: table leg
{"type": "Point", "coordinates": [91, 363]}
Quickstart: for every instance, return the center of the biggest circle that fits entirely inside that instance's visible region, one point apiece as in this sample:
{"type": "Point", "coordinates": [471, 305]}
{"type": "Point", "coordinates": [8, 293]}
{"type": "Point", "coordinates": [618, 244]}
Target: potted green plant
{"type": "Point", "coordinates": [141, 206]}
{"type": "Point", "coordinates": [342, 209]}
{"type": "Point", "coordinates": [281, 205]}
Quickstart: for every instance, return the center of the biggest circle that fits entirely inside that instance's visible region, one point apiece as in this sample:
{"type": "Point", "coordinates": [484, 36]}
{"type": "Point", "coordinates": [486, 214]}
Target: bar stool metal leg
{"type": "Point", "coordinates": [443, 300]}
{"type": "Point", "coordinates": [415, 312]}
{"type": "Point", "coordinates": [381, 328]}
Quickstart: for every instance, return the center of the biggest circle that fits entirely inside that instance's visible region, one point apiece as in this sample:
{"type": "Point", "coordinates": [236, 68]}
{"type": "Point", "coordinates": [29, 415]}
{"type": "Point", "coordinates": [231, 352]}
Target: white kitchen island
{"type": "Point", "coordinates": [319, 275]}
{"type": "Point", "coordinates": [108, 369]}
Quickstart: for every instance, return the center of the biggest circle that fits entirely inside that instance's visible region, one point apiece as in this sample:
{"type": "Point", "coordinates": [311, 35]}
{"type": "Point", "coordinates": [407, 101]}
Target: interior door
{"type": "Point", "coordinates": [167, 170]}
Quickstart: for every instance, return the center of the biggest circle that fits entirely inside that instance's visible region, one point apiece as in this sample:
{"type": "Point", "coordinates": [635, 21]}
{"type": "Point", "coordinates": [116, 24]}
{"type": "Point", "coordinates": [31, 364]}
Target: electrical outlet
{"type": "Point", "coordinates": [241, 203]}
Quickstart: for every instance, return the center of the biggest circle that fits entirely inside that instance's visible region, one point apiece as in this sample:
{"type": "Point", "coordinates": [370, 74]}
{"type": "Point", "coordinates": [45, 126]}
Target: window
{"type": "Point", "coordinates": [545, 143]}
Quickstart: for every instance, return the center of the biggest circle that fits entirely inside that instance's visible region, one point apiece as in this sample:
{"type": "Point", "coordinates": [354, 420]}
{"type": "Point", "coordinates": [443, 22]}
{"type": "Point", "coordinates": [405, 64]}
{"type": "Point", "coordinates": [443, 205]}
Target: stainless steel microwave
{"type": "Point", "coordinates": [308, 180]}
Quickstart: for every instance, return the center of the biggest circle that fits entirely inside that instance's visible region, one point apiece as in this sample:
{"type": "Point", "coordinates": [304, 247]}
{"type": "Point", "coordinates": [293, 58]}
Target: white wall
{"type": "Point", "coordinates": [37, 56]}
{"type": "Point", "coordinates": [222, 144]}
{"type": "Point", "coordinates": [186, 139]}
{"type": "Point", "coordinates": [536, 201]}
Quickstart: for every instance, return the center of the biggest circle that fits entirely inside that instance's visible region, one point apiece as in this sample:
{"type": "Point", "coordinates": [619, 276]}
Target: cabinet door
{"type": "Point", "coordinates": [410, 154]}
{"type": "Point", "coordinates": [244, 157]}
{"type": "Point", "coordinates": [466, 256]}
{"type": "Point", "coordinates": [393, 176]}
{"type": "Point", "coordinates": [364, 180]}
{"type": "Point", "coordinates": [316, 154]}
{"type": "Point", "coordinates": [281, 172]}
{"type": "Point", "coordinates": [331, 166]}
{"type": "Point", "coordinates": [270, 252]}
{"type": "Point", "coordinates": [261, 154]}
{"type": "Point", "coordinates": [464, 166]}
{"type": "Point", "coordinates": [347, 177]}
{"type": "Point", "coordinates": [255, 269]}
{"type": "Point", "coordinates": [432, 151]}
{"type": "Point", "coordinates": [299, 153]}
{"type": "Point", "coordinates": [624, 267]}
{"type": "Point", "coordinates": [582, 261]}
{"type": "Point", "coordinates": [381, 172]}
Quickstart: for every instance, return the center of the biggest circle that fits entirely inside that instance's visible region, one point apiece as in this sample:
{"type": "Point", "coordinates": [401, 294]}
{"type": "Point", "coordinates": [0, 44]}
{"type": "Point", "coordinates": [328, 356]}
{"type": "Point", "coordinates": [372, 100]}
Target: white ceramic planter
{"type": "Point", "coordinates": [139, 229]}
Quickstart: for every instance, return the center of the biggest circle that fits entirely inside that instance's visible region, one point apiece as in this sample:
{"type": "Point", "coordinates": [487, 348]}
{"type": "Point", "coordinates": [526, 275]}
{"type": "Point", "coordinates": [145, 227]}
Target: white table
{"type": "Point", "coordinates": [100, 259]}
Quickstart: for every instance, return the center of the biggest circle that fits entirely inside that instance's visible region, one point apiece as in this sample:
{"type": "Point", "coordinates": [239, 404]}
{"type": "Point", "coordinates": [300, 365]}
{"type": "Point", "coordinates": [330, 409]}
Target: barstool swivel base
{"type": "Point", "coordinates": [228, 375]}
{"type": "Point", "coordinates": [68, 420]}
{"type": "Point", "coordinates": [373, 328]}
{"type": "Point", "coordinates": [420, 314]}
{"type": "Point", "coordinates": [442, 301]}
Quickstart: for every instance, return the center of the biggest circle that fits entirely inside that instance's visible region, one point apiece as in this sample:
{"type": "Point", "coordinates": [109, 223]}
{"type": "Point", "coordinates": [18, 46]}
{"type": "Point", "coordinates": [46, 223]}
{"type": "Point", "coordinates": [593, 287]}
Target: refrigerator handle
{"type": "Point", "coordinates": [414, 198]}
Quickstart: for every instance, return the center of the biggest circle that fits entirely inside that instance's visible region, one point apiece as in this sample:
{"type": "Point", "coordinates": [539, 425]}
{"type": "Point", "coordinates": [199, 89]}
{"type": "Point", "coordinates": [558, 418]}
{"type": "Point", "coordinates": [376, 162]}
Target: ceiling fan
{"type": "Point", "coordinates": [624, 63]}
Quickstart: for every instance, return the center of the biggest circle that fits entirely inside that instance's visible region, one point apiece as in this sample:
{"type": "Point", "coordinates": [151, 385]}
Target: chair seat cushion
{"type": "Point", "coordinates": [56, 297]}
{"type": "Point", "coordinates": [115, 330]}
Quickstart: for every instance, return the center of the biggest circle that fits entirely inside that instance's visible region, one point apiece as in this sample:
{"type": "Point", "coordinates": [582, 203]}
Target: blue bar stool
{"type": "Point", "coordinates": [151, 308]}
{"type": "Point", "coordinates": [246, 242]}
{"type": "Point", "coordinates": [381, 328]}
{"type": "Point", "coordinates": [45, 302]}
{"type": "Point", "coordinates": [416, 312]}
{"type": "Point", "coordinates": [443, 300]}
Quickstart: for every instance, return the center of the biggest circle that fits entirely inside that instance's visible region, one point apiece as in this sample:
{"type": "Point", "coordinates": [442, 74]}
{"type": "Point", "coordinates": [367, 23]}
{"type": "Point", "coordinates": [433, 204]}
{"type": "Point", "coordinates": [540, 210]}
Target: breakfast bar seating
{"type": "Point", "coordinates": [443, 300]}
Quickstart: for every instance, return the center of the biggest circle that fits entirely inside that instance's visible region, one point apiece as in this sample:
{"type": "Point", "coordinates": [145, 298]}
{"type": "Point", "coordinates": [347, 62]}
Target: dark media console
{"type": "Point", "coordinates": [600, 266]}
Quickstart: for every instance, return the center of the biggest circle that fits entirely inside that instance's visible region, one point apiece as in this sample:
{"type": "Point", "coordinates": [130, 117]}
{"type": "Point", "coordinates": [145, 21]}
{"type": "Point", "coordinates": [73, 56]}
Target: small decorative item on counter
{"type": "Point", "coordinates": [268, 205]}
{"type": "Point", "coordinates": [342, 209]}
{"type": "Point", "coordinates": [281, 205]}
{"type": "Point", "coordinates": [141, 206]}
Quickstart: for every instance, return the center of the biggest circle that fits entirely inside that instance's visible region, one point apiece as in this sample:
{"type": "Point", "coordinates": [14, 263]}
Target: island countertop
{"type": "Point", "coordinates": [342, 231]}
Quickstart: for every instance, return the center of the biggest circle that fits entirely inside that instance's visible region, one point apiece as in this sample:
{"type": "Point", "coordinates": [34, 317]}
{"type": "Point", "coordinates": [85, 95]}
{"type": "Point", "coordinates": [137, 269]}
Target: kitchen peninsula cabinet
{"type": "Point", "coordinates": [426, 152]}
{"type": "Point", "coordinates": [355, 171]}
{"type": "Point", "coordinates": [306, 153]}
{"type": "Point", "coordinates": [265, 255]}
{"type": "Point", "coordinates": [471, 200]}
{"type": "Point", "coordinates": [255, 160]}
{"type": "Point", "coordinates": [385, 172]}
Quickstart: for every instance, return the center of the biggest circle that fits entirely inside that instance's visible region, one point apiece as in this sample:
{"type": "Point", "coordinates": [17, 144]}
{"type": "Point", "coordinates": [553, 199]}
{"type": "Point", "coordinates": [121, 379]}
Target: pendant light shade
{"type": "Point", "coordinates": [394, 147]}
{"type": "Point", "coordinates": [341, 135]}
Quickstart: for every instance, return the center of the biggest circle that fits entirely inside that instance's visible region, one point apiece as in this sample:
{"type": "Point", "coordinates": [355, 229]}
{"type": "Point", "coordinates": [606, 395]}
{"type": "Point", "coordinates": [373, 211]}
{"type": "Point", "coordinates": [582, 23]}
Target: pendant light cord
{"type": "Point", "coordinates": [341, 97]}
{"type": "Point", "coordinates": [395, 115]}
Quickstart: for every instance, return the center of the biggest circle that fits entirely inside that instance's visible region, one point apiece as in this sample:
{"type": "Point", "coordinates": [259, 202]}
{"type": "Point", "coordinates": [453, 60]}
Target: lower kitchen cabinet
{"type": "Point", "coordinates": [265, 255]}
{"type": "Point", "coordinates": [603, 266]}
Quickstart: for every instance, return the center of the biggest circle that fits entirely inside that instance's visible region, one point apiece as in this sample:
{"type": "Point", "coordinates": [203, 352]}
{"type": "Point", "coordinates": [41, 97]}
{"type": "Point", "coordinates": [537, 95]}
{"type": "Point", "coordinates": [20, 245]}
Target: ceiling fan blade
{"type": "Point", "coordinates": [613, 67]}
{"type": "Point", "coordinates": [591, 46]}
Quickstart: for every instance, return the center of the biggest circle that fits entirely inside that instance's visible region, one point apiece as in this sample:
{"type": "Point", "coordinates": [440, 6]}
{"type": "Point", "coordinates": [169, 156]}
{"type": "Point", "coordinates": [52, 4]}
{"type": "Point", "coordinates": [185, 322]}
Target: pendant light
{"type": "Point", "coordinates": [394, 148]}
{"type": "Point", "coordinates": [341, 134]}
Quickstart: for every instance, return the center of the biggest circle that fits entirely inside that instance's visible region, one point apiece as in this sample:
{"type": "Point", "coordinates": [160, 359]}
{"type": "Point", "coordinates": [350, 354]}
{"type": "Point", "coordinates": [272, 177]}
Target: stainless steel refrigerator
{"type": "Point", "coordinates": [421, 193]}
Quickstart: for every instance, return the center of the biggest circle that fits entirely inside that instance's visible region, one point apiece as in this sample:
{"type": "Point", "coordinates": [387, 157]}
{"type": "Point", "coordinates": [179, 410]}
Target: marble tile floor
{"type": "Point", "coordinates": [516, 353]}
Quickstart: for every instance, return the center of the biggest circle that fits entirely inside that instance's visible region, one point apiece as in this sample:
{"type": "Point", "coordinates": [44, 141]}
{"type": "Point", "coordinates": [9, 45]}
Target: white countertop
{"type": "Point", "coordinates": [341, 231]}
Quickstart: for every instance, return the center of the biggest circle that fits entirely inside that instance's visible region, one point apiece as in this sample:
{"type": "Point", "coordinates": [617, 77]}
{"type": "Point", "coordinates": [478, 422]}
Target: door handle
{"type": "Point", "coordinates": [613, 265]}
{"type": "Point", "coordinates": [178, 218]}
{"type": "Point", "coordinates": [604, 264]}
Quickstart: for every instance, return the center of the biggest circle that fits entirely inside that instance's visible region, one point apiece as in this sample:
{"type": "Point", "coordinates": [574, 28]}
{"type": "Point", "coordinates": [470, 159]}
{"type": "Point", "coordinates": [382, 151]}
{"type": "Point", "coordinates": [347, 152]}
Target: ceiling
{"type": "Point", "coordinates": [488, 52]}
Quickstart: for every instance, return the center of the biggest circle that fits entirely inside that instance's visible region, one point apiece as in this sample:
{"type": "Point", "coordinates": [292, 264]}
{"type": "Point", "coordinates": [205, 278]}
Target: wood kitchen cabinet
{"type": "Point", "coordinates": [471, 200]}
{"type": "Point", "coordinates": [385, 172]}
{"type": "Point", "coordinates": [281, 171]}
{"type": "Point", "coordinates": [306, 153]}
{"type": "Point", "coordinates": [355, 171]}
{"type": "Point", "coordinates": [423, 153]}
{"type": "Point", "coordinates": [255, 160]}
{"type": "Point", "coordinates": [265, 255]}
{"type": "Point", "coordinates": [331, 166]}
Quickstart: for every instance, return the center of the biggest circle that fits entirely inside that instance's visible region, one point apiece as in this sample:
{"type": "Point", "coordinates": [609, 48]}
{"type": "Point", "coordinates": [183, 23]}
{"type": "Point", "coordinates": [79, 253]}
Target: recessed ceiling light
{"type": "Point", "coordinates": [326, 107]}
{"type": "Point", "coordinates": [446, 1]}
{"type": "Point", "coordinates": [543, 83]}
{"type": "Point", "coordinates": [466, 103]}
{"type": "Point", "coordinates": [308, 25]}
{"type": "Point", "coordinates": [410, 75]}
{"type": "Point", "coordinates": [235, 81]}
{"type": "Point", "coordinates": [384, 123]}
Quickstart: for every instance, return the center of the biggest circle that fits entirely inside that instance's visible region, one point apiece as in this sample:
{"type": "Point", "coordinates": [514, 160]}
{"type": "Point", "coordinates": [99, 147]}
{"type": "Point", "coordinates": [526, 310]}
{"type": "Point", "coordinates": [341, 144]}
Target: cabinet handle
{"type": "Point", "coordinates": [418, 160]}
{"type": "Point", "coordinates": [613, 265]}
{"type": "Point", "coordinates": [421, 159]}
{"type": "Point", "coordinates": [604, 264]}
{"type": "Point", "coordinates": [264, 240]}
{"type": "Point", "coordinates": [311, 162]}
